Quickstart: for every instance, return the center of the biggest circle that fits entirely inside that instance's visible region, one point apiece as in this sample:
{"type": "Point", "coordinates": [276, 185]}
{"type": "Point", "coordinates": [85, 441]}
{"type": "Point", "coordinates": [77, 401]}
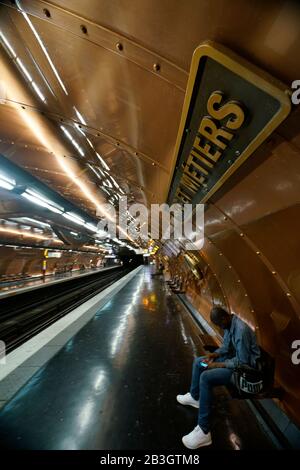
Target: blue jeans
{"type": "Point", "coordinates": [203, 381]}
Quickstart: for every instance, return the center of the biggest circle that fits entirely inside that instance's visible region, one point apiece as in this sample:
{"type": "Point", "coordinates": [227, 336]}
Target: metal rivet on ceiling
{"type": "Point", "coordinates": [274, 272]}
{"type": "Point", "coordinates": [156, 67]}
{"type": "Point", "coordinates": [47, 12]}
{"type": "Point", "coordinates": [241, 234]}
{"type": "Point", "coordinates": [225, 218]}
{"type": "Point", "coordinates": [238, 280]}
{"type": "Point", "coordinates": [119, 46]}
{"type": "Point", "coordinates": [258, 252]}
{"type": "Point", "coordinates": [83, 29]}
{"type": "Point", "coordinates": [288, 294]}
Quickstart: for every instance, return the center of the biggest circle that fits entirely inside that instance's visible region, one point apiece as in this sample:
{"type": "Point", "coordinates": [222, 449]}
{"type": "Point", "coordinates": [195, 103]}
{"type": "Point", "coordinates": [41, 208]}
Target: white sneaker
{"type": "Point", "coordinates": [187, 399]}
{"type": "Point", "coordinates": [196, 439]}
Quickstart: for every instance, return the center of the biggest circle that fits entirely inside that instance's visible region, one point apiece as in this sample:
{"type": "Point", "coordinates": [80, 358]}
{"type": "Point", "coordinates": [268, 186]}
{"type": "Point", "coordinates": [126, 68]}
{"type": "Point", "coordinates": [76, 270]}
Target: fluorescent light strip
{"type": "Point", "coordinates": [94, 171]}
{"type": "Point", "coordinates": [42, 46]}
{"type": "Point", "coordinates": [79, 116]}
{"type": "Point", "coordinates": [41, 203]}
{"type": "Point", "coordinates": [6, 185]}
{"type": "Point", "coordinates": [9, 47]}
{"type": "Point", "coordinates": [91, 227]}
{"type": "Point", "coordinates": [85, 190]}
{"type": "Point", "coordinates": [30, 235]}
{"type": "Point", "coordinates": [73, 218]}
{"type": "Point", "coordinates": [103, 162]}
{"type": "Point", "coordinates": [115, 183]}
{"type": "Point", "coordinates": [24, 69]}
{"type": "Point", "coordinates": [38, 91]}
{"type": "Point", "coordinates": [73, 142]}
{"type": "Point", "coordinates": [107, 184]}
{"type": "Point", "coordinates": [89, 142]}
{"type": "Point", "coordinates": [43, 198]}
{"type": "Point", "coordinates": [43, 224]}
{"type": "Point", "coordinates": [103, 189]}
{"type": "Point", "coordinates": [78, 128]}
{"type": "Point", "coordinates": [6, 182]}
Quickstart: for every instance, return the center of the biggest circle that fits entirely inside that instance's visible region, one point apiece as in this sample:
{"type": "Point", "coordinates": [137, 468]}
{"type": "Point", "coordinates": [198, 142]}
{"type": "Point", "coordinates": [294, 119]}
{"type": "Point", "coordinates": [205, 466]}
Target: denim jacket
{"type": "Point", "coordinates": [239, 345]}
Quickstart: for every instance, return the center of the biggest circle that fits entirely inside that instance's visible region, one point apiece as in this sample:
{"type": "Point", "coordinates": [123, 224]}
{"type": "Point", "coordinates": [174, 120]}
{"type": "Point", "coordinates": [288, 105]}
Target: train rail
{"type": "Point", "coordinates": [25, 314]}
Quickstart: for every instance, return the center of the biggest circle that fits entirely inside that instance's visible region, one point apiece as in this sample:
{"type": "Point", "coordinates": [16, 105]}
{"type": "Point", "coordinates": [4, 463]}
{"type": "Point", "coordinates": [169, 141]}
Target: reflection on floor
{"type": "Point", "coordinates": [113, 386]}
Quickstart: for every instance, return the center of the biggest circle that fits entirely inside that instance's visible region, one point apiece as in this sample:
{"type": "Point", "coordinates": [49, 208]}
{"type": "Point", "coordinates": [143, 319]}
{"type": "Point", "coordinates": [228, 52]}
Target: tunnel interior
{"type": "Point", "coordinates": [97, 103]}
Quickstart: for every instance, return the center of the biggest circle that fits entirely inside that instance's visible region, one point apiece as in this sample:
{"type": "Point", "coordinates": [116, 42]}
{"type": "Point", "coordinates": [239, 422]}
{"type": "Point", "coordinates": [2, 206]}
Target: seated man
{"type": "Point", "coordinates": [239, 347]}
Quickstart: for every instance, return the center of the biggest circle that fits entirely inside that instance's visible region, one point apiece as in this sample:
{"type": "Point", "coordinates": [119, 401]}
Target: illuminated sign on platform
{"type": "Point", "coordinates": [230, 108]}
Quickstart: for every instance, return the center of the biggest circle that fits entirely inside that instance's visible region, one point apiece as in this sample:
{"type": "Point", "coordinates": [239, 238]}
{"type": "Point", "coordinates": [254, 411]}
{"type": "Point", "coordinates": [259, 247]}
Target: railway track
{"type": "Point", "coordinates": [25, 314]}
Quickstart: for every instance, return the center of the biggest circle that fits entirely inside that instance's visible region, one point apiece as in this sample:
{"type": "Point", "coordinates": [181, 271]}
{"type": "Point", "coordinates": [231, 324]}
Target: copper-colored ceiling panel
{"type": "Point", "coordinates": [113, 93]}
{"type": "Point", "coordinates": [265, 32]}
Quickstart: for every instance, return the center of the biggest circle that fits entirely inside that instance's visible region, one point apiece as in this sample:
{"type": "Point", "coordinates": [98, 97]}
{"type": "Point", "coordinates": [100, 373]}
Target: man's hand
{"type": "Point", "coordinates": [210, 357]}
{"type": "Point", "coordinates": [216, 365]}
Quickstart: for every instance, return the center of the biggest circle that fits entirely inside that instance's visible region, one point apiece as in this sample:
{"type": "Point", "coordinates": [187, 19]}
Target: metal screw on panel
{"type": "Point", "coordinates": [47, 12]}
{"type": "Point", "coordinates": [83, 29]}
{"type": "Point", "coordinates": [119, 46]}
{"type": "Point", "coordinates": [229, 162]}
{"type": "Point", "coordinates": [288, 294]}
{"type": "Point", "coordinates": [156, 67]}
{"type": "Point", "coordinates": [274, 272]}
{"type": "Point", "coordinates": [237, 153]}
{"type": "Point", "coordinates": [241, 234]}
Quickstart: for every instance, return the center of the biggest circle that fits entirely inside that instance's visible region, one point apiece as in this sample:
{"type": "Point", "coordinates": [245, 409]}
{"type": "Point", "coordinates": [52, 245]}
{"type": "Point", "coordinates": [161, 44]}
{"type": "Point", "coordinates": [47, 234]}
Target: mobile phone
{"type": "Point", "coordinates": [203, 364]}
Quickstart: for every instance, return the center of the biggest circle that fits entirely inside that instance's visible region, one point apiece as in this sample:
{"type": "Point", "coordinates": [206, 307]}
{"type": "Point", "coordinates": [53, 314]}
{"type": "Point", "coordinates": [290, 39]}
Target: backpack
{"type": "Point", "coordinates": [250, 381]}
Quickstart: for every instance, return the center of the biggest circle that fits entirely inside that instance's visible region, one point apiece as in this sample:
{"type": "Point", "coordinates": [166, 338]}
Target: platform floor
{"type": "Point", "coordinates": [114, 384]}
